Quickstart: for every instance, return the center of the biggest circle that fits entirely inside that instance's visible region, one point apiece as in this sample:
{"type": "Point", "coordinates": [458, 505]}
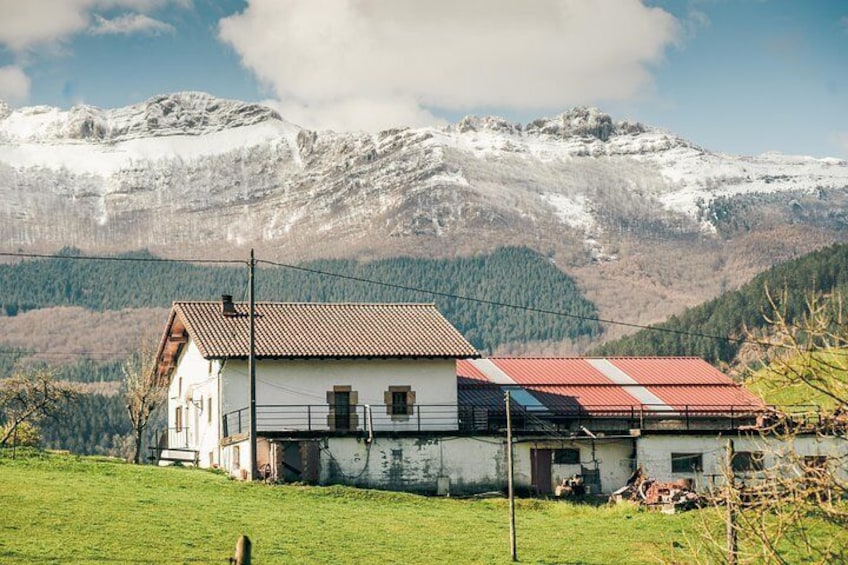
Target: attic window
{"type": "Point", "coordinates": [400, 401]}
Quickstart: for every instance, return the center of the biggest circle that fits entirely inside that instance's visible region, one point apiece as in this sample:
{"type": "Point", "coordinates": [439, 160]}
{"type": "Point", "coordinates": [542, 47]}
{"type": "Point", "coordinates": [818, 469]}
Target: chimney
{"type": "Point", "coordinates": [227, 306]}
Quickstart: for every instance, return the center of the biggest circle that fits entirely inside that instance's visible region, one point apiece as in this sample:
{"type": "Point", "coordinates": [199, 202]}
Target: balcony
{"type": "Point", "coordinates": [321, 419]}
{"type": "Point", "coordinates": [173, 445]}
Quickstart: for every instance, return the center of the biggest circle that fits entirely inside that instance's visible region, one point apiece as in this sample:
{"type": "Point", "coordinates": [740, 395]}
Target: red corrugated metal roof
{"type": "Point", "coordinates": [570, 371]}
{"type": "Point", "coordinates": [730, 396]}
{"type": "Point", "coordinates": [465, 369]}
{"type": "Point", "coordinates": [670, 370]}
{"type": "Point", "coordinates": [571, 383]}
{"type": "Point", "coordinates": [583, 397]}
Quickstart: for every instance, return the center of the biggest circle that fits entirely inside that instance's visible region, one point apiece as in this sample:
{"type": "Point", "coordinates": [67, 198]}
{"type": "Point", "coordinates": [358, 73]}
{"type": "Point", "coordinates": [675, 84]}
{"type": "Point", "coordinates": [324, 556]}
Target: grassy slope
{"type": "Point", "coordinates": [775, 390]}
{"type": "Point", "coordinates": [58, 509]}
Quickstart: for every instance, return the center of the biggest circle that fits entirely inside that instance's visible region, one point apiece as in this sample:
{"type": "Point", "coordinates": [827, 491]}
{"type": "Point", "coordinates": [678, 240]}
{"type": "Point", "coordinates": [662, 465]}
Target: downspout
{"type": "Point", "coordinates": [219, 408]}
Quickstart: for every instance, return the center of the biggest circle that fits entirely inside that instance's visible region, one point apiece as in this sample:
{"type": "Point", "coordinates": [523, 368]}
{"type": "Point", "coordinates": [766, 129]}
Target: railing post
{"type": "Point", "coordinates": [418, 413]}
{"type": "Point", "coordinates": [686, 410]}
{"type": "Point", "coordinates": [309, 417]}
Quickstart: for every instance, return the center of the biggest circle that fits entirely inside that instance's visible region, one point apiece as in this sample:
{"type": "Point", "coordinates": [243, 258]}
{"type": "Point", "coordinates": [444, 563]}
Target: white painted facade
{"type": "Point", "coordinates": [194, 407]}
{"type": "Point", "coordinates": [285, 388]}
{"type": "Point", "coordinates": [292, 396]}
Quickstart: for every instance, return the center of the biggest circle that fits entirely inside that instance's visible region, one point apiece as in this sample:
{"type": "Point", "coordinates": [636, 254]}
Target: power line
{"type": "Point", "coordinates": [431, 292]}
{"type": "Point", "coordinates": [506, 304]}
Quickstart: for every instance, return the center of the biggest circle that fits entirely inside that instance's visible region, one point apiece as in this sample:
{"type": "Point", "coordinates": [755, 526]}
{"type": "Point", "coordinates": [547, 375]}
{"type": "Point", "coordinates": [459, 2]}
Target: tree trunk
{"type": "Point", "coordinates": [137, 433]}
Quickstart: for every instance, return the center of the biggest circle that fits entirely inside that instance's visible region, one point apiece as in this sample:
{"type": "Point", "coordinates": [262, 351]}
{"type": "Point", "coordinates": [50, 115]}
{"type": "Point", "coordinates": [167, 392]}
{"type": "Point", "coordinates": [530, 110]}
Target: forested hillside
{"type": "Point", "coordinates": [822, 271]}
{"type": "Point", "coordinates": [508, 275]}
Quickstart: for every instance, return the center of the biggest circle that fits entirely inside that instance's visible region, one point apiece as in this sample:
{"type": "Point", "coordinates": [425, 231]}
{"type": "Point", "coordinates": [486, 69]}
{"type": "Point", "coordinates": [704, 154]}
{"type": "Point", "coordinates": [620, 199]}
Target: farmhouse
{"type": "Point", "coordinates": [392, 396]}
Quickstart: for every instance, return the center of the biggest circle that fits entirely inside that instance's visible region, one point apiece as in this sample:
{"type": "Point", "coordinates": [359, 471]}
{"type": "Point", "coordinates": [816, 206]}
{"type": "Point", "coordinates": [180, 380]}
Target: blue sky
{"type": "Point", "coordinates": [743, 76]}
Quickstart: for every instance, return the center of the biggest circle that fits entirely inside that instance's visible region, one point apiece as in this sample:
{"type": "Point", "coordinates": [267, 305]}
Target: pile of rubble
{"type": "Point", "coordinates": [669, 497]}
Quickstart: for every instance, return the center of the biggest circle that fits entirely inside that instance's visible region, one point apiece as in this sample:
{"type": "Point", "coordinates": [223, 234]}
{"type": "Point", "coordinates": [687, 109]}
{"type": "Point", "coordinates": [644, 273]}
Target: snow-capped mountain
{"type": "Point", "coordinates": [186, 172]}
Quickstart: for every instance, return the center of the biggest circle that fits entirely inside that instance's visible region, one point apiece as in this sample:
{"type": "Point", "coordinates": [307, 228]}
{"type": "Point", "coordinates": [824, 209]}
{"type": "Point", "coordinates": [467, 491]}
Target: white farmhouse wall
{"type": "Point", "coordinates": [194, 390]}
{"type": "Point", "coordinates": [654, 453]}
{"type": "Point", "coordinates": [291, 386]}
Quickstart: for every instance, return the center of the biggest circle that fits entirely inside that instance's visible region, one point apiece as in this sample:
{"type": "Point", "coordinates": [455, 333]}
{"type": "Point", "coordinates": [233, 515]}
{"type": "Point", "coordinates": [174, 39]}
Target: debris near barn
{"type": "Point", "coordinates": [668, 497]}
{"type": "Point", "coordinates": [574, 486]}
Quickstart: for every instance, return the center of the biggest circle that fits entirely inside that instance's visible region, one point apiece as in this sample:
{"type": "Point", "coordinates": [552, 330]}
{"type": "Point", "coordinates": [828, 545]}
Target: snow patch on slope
{"type": "Point", "coordinates": [573, 212]}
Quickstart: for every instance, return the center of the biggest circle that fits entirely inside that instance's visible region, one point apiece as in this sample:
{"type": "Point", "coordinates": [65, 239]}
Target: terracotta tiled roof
{"type": "Point", "coordinates": [314, 330]}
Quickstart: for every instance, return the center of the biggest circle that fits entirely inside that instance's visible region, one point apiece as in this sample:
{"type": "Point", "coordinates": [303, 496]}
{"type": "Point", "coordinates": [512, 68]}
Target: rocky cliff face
{"type": "Point", "coordinates": [187, 172]}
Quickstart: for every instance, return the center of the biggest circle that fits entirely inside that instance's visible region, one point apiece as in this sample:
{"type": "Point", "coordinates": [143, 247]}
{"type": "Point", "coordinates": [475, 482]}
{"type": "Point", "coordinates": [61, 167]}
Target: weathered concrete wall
{"type": "Point", "coordinates": [655, 453]}
{"type": "Point", "coordinates": [472, 464]}
{"type": "Point", "coordinates": [612, 457]}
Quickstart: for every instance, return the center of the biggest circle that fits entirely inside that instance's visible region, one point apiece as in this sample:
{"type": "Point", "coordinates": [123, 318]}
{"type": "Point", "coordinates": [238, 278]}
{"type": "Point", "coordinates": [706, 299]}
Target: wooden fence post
{"type": "Point", "coordinates": [242, 556]}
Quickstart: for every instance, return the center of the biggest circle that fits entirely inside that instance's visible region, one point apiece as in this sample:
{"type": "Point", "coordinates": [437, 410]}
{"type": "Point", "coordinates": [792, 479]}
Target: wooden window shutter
{"type": "Point", "coordinates": [331, 415]}
{"type": "Point", "coordinates": [387, 400]}
{"type": "Point", "coordinates": [410, 402]}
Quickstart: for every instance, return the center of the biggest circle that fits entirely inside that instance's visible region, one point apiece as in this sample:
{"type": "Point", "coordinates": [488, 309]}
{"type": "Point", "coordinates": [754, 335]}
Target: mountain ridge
{"type": "Point", "coordinates": [604, 199]}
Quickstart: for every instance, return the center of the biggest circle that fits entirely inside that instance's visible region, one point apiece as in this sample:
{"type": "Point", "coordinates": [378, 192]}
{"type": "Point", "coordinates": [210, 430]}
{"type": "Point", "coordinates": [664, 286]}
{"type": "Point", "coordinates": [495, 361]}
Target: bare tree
{"type": "Point", "coordinates": [792, 507]}
{"type": "Point", "coordinates": [143, 392]}
{"type": "Point", "coordinates": [28, 398]}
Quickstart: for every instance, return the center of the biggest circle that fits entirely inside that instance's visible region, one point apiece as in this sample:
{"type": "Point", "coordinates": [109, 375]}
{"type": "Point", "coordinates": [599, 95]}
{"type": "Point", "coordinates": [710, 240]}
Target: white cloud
{"type": "Point", "coordinates": [14, 85]}
{"type": "Point", "coordinates": [129, 24]}
{"type": "Point", "coordinates": [30, 24]}
{"type": "Point", "coordinates": [364, 62]}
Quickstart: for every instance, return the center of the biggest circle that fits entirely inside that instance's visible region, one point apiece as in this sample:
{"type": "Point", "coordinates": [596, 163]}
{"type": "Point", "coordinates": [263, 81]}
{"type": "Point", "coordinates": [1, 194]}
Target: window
{"type": "Point", "coordinates": [209, 410]}
{"type": "Point", "coordinates": [815, 466]}
{"type": "Point", "coordinates": [236, 458]}
{"type": "Point", "coordinates": [342, 415]}
{"type": "Point", "coordinates": [399, 402]}
{"type": "Point", "coordinates": [568, 456]}
{"type": "Point", "coordinates": [178, 419]}
{"type": "Point", "coordinates": [687, 463]}
{"type": "Point", "coordinates": [745, 461]}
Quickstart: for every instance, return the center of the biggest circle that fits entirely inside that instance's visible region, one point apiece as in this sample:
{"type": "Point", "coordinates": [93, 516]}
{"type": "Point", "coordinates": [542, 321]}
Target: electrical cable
{"type": "Point", "coordinates": [431, 292]}
{"type": "Point", "coordinates": [500, 304]}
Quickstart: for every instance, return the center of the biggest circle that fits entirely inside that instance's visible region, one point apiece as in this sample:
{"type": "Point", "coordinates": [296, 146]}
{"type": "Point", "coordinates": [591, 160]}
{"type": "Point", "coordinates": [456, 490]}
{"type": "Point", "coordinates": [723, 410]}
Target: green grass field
{"type": "Point", "coordinates": [68, 509]}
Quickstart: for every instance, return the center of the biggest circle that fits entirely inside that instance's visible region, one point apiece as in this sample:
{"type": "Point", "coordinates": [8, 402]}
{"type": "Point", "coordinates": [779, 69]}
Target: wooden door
{"type": "Point", "coordinates": [540, 470]}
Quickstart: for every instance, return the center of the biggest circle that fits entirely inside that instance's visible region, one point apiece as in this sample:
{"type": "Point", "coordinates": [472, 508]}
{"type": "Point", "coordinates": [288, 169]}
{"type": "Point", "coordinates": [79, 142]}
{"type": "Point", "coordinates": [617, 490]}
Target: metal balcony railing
{"type": "Point", "coordinates": [174, 438]}
{"type": "Point", "coordinates": [474, 418]}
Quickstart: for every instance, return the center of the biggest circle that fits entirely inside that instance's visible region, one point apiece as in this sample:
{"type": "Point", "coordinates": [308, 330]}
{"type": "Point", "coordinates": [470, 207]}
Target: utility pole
{"type": "Point", "coordinates": [251, 364]}
{"type": "Point", "coordinates": [510, 487]}
{"type": "Point", "coordinates": [730, 523]}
